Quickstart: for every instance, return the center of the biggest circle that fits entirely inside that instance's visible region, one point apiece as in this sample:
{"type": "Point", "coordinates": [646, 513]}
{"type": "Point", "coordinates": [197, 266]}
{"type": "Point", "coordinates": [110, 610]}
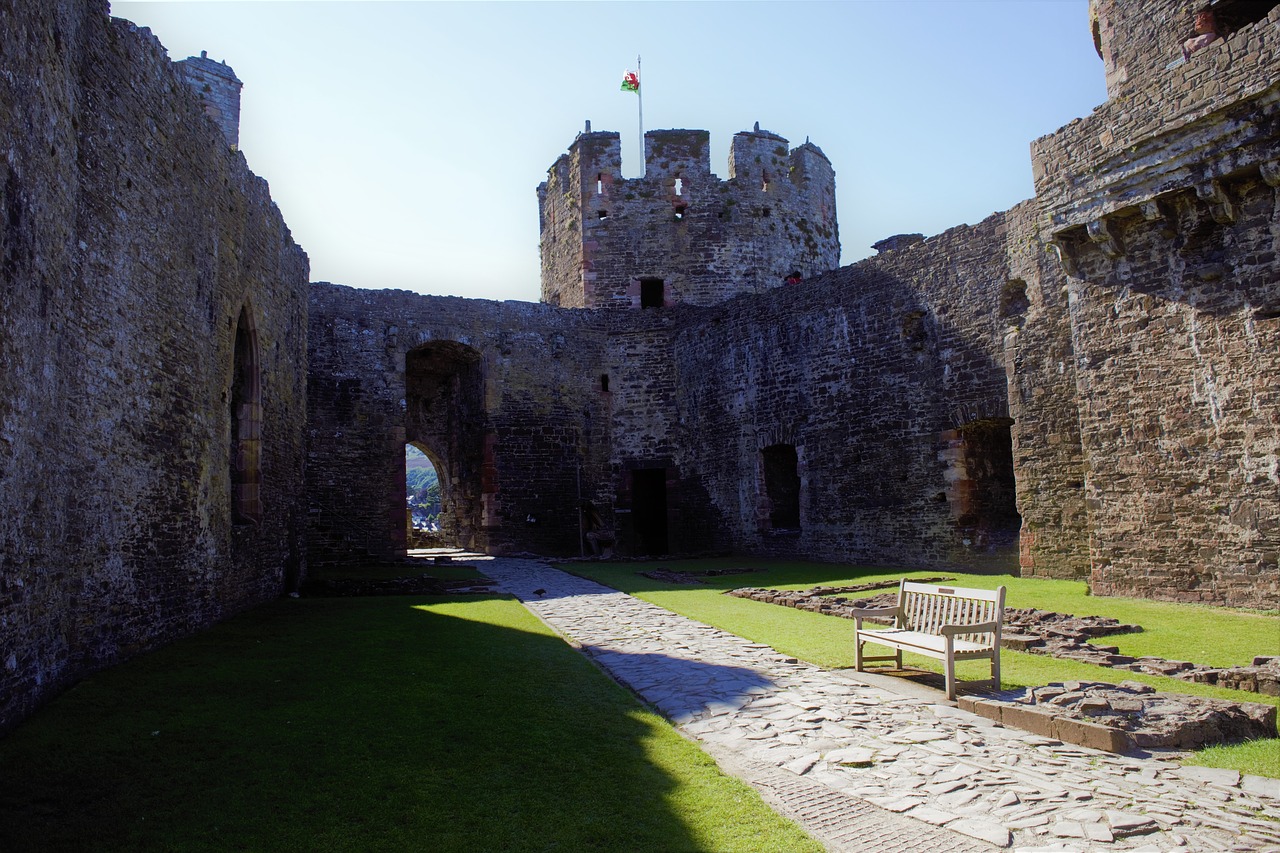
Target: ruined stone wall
{"type": "Point", "coordinates": [1041, 367]}
{"type": "Point", "coordinates": [132, 241]}
{"type": "Point", "coordinates": [1178, 347]}
{"type": "Point", "coordinates": [513, 463]}
{"type": "Point", "coordinates": [868, 372]}
{"type": "Point", "coordinates": [1142, 43]}
{"type": "Point", "coordinates": [1162, 207]}
{"type": "Point", "coordinates": [702, 238]}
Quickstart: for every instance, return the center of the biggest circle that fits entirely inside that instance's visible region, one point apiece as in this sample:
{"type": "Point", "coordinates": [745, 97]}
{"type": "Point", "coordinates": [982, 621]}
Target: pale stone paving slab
{"type": "Point", "coordinates": [959, 777]}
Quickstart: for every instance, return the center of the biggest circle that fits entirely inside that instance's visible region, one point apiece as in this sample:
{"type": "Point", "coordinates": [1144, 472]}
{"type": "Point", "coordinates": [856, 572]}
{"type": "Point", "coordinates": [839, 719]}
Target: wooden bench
{"type": "Point", "coordinates": [945, 622]}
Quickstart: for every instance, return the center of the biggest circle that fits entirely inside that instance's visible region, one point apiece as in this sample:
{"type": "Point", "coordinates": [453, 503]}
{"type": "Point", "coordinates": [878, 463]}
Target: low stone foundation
{"type": "Point", "coordinates": [1043, 632]}
{"type": "Point", "coordinates": [1125, 717]}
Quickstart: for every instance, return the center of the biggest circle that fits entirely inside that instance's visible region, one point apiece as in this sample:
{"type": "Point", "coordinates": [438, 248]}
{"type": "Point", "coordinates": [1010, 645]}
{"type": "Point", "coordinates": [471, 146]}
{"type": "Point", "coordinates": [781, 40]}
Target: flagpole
{"type": "Point", "coordinates": [640, 106]}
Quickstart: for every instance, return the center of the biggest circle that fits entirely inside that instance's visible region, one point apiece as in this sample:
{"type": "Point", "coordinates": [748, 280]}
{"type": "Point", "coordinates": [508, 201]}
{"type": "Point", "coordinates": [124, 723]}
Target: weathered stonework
{"type": "Point", "coordinates": [1081, 386]}
{"type": "Point", "coordinates": [135, 248]}
{"type": "Point", "coordinates": [1077, 387]}
{"type": "Point", "coordinates": [680, 235]}
{"type": "Point", "coordinates": [1162, 205]}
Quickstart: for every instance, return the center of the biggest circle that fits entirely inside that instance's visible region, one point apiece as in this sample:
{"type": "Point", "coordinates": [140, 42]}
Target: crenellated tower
{"type": "Point", "coordinates": [680, 234]}
{"type": "Point", "coordinates": [219, 88]}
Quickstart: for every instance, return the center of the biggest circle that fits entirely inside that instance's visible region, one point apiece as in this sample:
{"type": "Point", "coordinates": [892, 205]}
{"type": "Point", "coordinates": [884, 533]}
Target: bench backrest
{"type": "Point", "coordinates": [926, 608]}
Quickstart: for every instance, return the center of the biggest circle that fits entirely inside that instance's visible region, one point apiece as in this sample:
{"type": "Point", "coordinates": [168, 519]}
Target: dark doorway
{"type": "Point", "coordinates": [782, 486]}
{"type": "Point", "coordinates": [981, 483]}
{"type": "Point", "coordinates": [649, 510]}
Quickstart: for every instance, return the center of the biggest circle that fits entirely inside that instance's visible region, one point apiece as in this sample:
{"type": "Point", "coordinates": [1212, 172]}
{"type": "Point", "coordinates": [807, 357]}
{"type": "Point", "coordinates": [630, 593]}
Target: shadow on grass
{"type": "Point", "coordinates": [355, 724]}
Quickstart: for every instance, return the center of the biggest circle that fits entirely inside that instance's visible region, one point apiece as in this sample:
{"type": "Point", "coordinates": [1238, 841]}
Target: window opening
{"type": "Point", "coordinates": [651, 293]}
{"type": "Point", "coordinates": [603, 214]}
{"type": "Point", "coordinates": [782, 486]}
{"type": "Point", "coordinates": [1014, 302]}
{"type": "Point", "coordinates": [600, 184]}
{"type": "Point", "coordinates": [764, 183]}
{"type": "Point", "coordinates": [246, 426]}
{"type": "Point", "coordinates": [679, 186]}
{"type": "Point", "coordinates": [604, 382]}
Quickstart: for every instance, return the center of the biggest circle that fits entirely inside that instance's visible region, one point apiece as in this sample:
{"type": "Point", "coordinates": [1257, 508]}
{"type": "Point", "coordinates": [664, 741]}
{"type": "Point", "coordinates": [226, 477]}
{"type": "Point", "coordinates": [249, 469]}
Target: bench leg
{"type": "Point", "coordinates": [995, 670]}
{"type": "Point", "coordinates": [857, 654]}
{"type": "Point", "coordinates": [951, 678]}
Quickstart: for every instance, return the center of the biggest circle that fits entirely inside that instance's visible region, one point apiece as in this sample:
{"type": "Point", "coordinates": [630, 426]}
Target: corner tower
{"type": "Point", "coordinates": [219, 89]}
{"type": "Point", "coordinates": [680, 234]}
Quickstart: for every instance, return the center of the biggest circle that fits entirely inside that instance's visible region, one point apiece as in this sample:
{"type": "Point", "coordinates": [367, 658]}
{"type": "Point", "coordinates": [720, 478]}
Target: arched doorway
{"type": "Point", "coordinates": [425, 499]}
{"type": "Point", "coordinates": [245, 400]}
{"type": "Point", "coordinates": [444, 418]}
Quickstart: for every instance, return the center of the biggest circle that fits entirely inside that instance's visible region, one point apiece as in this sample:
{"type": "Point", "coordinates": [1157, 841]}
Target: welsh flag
{"type": "Point", "coordinates": [631, 82]}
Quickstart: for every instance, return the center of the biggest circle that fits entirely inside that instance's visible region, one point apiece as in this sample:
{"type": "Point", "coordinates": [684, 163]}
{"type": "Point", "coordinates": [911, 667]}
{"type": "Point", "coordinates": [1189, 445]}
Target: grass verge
{"type": "Point", "coordinates": [1207, 635]}
{"type": "Point", "coordinates": [390, 723]}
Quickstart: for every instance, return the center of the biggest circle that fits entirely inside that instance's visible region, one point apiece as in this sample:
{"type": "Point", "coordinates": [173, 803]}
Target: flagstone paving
{"type": "Point", "coordinates": [862, 767]}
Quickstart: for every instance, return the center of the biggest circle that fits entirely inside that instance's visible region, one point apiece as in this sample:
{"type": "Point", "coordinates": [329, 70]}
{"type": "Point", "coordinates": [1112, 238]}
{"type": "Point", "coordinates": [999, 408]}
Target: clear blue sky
{"type": "Point", "coordinates": [403, 141]}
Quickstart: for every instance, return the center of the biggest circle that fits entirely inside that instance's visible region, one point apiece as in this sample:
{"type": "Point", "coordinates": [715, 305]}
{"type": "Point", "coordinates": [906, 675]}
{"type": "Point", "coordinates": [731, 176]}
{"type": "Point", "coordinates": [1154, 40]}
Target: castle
{"type": "Point", "coordinates": [1080, 387]}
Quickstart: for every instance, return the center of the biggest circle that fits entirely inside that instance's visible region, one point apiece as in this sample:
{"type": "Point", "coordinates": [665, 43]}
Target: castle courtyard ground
{"type": "Point", "coordinates": [877, 764]}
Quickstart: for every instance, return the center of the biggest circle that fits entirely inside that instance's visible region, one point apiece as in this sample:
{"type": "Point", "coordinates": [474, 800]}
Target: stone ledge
{"type": "Point", "coordinates": [1125, 717]}
{"type": "Point", "coordinates": [1048, 724]}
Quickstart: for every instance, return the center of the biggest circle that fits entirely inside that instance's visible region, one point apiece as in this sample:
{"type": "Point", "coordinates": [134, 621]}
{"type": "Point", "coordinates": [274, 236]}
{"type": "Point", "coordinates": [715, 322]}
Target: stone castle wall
{"type": "Point", "coordinates": [1082, 386]}
{"type": "Point", "coordinates": [873, 374]}
{"type": "Point", "coordinates": [1162, 205]}
{"type": "Point", "coordinates": [698, 238]}
{"type": "Point", "coordinates": [132, 242]}
{"type": "Point", "coordinates": [504, 397]}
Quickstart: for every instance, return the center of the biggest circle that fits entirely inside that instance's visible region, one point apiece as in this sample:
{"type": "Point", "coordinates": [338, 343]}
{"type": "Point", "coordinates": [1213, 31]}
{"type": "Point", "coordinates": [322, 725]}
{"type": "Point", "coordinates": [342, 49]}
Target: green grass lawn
{"type": "Point", "coordinates": [1206, 635]}
{"type": "Point", "coordinates": [389, 723]}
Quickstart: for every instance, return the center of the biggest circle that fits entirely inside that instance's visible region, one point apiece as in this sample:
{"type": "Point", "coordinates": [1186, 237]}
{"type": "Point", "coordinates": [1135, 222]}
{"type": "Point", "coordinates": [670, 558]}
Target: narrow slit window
{"type": "Point", "coordinates": [604, 382]}
{"type": "Point", "coordinates": [600, 184]}
{"type": "Point", "coordinates": [679, 186]}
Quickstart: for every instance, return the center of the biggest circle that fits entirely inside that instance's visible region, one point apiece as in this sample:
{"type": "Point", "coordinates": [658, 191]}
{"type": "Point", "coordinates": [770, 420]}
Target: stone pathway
{"type": "Point", "coordinates": [866, 768]}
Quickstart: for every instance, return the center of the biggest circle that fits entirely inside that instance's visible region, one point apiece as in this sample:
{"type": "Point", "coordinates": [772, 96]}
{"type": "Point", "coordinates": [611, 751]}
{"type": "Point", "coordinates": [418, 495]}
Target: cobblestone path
{"type": "Point", "coordinates": [864, 768]}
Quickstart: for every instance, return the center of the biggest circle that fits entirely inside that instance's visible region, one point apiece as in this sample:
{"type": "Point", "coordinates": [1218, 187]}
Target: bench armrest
{"type": "Point", "coordinates": [975, 628]}
{"type": "Point", "coordinates": [888, 614]}
{"type": "Point", "coordinates": [873, 611]}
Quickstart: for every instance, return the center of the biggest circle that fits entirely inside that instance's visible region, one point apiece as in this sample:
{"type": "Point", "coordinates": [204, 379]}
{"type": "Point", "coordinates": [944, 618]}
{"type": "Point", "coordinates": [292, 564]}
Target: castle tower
{"type": "Point", "coordinates": [680, 234]}
{"type": "Point", "coordinates": [218, 87]}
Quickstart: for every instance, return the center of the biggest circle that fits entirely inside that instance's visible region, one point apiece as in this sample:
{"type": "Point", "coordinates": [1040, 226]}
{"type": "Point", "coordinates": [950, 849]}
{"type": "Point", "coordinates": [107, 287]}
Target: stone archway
{"type": "Point", "coordinates": [444, 414]}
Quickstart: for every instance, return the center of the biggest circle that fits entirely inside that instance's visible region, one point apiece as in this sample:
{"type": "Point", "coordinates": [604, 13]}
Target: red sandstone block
{"type": "Point", "coordinates": [982, 707]}
{"type": "Point", "coordinates": [1091, 735]}
{"type": "Point", "coordinates": [1028, 719]}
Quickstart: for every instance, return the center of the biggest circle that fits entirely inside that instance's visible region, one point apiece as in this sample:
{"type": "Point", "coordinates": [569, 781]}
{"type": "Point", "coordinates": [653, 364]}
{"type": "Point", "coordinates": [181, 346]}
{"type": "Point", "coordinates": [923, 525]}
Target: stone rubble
{"type": "Point", "coordinates": [1126, 717]}
{"type": "Point", "coordinates": [980, 782]}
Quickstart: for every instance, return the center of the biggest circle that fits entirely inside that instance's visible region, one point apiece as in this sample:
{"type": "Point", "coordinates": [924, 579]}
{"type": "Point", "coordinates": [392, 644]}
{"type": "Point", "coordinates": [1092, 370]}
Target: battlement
{"type": "Point", "coordinates": [680, 234]}
{"type": "Point", "coordinates": [1141, 43]}
{"type": "Point", "coordinates": [219, 88]}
